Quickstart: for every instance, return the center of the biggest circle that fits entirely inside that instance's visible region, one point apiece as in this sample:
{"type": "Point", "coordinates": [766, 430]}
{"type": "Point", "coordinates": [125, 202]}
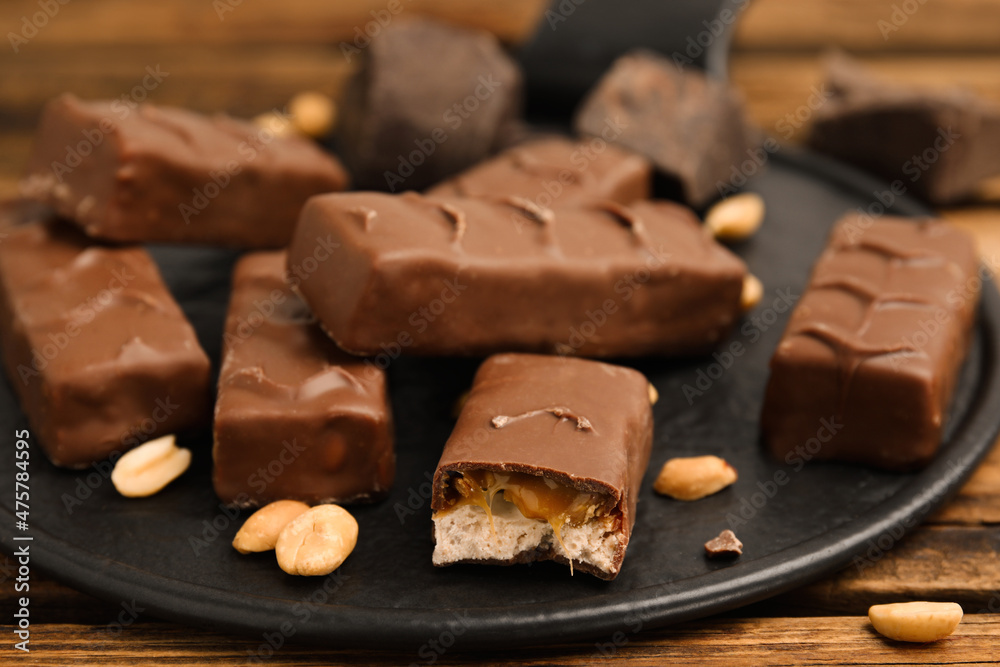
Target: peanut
{"type": "Point", "coordinates": [150, 467]}
{"type": "Point", "coordinates": [280, 126]}
{"type": "Point", "coordinates": [654, 395]}
{"type": "Point", "coordinates": [260, 532]}
{"type": "Point", "coordinates": [313, 114]}
{"type": "Point", "coordinates": [694, 477]}
{"type": "Point", "coordinates": [916, 621]}
{"type": "Point", "coordinates": [316, 542]}
{"type": "Point", "coordinates": [736, 218]}
{"type": "Point", "coordinates": [753, 292]}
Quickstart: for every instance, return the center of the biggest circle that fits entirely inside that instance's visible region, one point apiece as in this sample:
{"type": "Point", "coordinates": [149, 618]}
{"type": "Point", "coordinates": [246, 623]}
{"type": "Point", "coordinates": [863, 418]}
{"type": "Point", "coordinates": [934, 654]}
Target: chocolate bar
{"type": "Point", "coordinates": [96, 348]}
{"type": "Point", "coordinates": [427, 100]}
{"type": "Point", "coordinates": [157, 174]}
{"type": "Point", "coordinates": [555, 172]}
{"type": "Point", "coordinates": [545, 463]}
{"type": "Point", "coordinates": [296, 418]}
{"type": "Point", "coordinates": [690, 126]}
{"type": "Point", "coordinates": [939, 144]}
{"type": "Point", "coordinates": [391, 274]}
{"type": "Point", "coordinates": [867, 366]}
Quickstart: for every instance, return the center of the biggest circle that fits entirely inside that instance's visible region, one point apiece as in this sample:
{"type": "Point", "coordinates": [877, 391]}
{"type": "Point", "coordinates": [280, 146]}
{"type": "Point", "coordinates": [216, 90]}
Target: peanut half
{"type": "Point", "coordinates": [916, 621]}
{"type": "Point", "coordinates": [313, 114]}
{"type": "Point", "coordinates": [694, 477]}
{"type": "Point", "coordinates": [753, 292]}
{"type": "Point", "coordinates": [260, 532]}
{"type": "Point", "coordinates": [736, 218]}
{"type": "Point", "coordinates": [150, 467]}
{"type": "Point", "coordinates": [316, 542]}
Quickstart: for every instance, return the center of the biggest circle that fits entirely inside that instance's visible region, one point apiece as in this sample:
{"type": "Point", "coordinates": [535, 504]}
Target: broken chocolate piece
{"type": "Point", "coordinates": [95, 346]}
{"type": "Point", "coordinates": [690, 126]}
{"type": "Point", "coordinates": [427, 275]}
{"type": "Point", "coordinates": [296, 418]}
{"type": "Point", "coordinates": [427, 101]}
{"type": "Point", "coordinates": [157, 174]}
{"type": "Point", "coordinates": [555, 172]}
{"type": "Point", "coordinates": [939, 144]}
{"type": "Point", "coordinates": [726, 544]}
{"type": "Point", "coordinates": [867, 366]}
{"type": "Point", "coordinates": [545, 463]}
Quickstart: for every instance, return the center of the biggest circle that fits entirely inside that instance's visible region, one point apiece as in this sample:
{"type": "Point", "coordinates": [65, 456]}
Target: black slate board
{"type": "Point", "coordinates": [160, 552]}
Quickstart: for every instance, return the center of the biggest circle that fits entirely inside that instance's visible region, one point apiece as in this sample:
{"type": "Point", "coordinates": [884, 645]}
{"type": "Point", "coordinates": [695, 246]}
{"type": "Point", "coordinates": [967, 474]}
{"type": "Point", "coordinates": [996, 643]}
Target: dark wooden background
{"type": "Point", "coordinates": [260, 54]}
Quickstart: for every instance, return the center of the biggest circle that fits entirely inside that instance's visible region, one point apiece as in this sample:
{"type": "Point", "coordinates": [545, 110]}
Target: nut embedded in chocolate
{"type": "Point", "coordinates": [725, 545]}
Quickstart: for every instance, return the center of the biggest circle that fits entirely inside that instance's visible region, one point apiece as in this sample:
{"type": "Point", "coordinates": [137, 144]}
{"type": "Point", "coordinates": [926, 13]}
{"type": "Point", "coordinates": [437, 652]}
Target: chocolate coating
{"type": "Point", "coordinates": [690, 126]}
{"type": "Point", "coordinates": [295, 418]}
{"type": "Point", "coordinates": [608, 455]}
{"type": "Point", "coordinates": [866, 369]}
{"type": "Point", "coordinates": [423, 275]}
{"type": "Point", "coordinates": [555, 172]}
{"type": "Point", "coordinates": [97, 349]}
{"type": "Point", "coordinates": [428, 100]}
{"type": "Point", "coordinates": [939, 144]}
{"type": "Point", "coordinates": [162, 174]}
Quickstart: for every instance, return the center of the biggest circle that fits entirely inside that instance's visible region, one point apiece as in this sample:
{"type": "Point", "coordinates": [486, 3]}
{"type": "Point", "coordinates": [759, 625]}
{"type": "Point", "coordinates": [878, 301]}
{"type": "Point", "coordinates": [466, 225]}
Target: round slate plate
{"type": "Point", "coordinates": [171, 553]}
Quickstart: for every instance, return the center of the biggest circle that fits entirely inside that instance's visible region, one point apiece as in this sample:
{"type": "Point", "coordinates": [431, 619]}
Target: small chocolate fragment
{"type": "Point", "coordinates": [439, 276]}
{"type": "Point", "coordinates": [690, 126]}
{"type": "Point", "coordinates": [157, 174]}
{"type": "Point", "coordinates": [557, 172]}
{"type": "Point", "coordinates": [427, 101]}
{"type": "Point", "coordinates": [290, 400]}
{"type": "Point", "coordinates": [939, 144]}
{"type": "Point", "coordinates": [725, 544]}
{"type": "Point", "coordinates": [545, 463]}
{"type": "Point", "coordinates": [97, 349]}
{"type": "Point", "coordinates": [867, 366]}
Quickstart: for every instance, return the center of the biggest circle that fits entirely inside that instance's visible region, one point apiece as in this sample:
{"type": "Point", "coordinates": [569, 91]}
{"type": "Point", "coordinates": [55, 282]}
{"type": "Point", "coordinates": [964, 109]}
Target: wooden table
{"type": "Point", "coordinates": [256, 56]}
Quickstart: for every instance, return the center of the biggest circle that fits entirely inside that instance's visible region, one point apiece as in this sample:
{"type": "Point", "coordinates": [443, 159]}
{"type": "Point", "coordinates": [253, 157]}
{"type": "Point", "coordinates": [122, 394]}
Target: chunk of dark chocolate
{"type": "Point", "coordinates": [938, 144]}
{"type": "Point", "coordinates": [96, 348]}
{"type": "Point", "coordinates": [556, 172]}
{"type": "Point", "coordinates": [424, 275]}
{"type": "Point", "coordinates": [157, 174]}
{"type": "Point", "coordinates": [427, 101]}
{"type": "Point", "coordinates": [691, 127]}
{"type": "Point", "coordinates": [866, 369]}
{"type": "Point", "coordinates": [545, 463]}
{"type": "Point", "coordinates": [295, 418]}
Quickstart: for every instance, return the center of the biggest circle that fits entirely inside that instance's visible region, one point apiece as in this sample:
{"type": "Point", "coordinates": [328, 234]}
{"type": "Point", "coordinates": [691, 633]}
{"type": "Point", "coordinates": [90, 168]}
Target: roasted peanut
{"type": "Point", "coordinates": [150, 467]}
{"type": "Point", "coordinates": [260, 532]}
{"type": "Point", "coordinates": [737, 217]}
{"type": "Point", "coordinates": [654, 395]}
{"type": "Point", "coordinates": [916, 621]}
{"type": "Point", "coordinates": [694, 477]}
{"type": "Point", "coordinates": [753, 292]}
{"type": "Point", "coordinates": [316, 542]}
{"type": "Point", "coordinates": [313, 113]}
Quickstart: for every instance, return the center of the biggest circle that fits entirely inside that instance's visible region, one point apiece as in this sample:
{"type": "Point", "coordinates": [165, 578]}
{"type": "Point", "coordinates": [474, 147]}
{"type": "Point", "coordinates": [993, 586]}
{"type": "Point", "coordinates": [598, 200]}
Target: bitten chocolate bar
{"type": "Point", "coordinates": [410, 274]}
{"type": "Point", "coordinates": [556, 172]}
{"type": "Point", "coordinates": [866, 369]}
{"type": "Point", "coordinates": [149, 174]}
{"type": "Point", "coordinates": [98, 351]}
{"type": "Point", "coordinates": [545, 463]}
{"type": "Point", "coordinates": [296, 418]}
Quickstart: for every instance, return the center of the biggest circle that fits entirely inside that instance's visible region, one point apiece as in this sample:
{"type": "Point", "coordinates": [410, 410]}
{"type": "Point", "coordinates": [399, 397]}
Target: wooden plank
{"type": "Point", "coordinates": [780, 87]}
{"type": "Point", "coordinates": [843, 640]}
{"type": "Point", "coordinates": [102, 22]}
{"type": "Point", "coordinates": [870, 25]}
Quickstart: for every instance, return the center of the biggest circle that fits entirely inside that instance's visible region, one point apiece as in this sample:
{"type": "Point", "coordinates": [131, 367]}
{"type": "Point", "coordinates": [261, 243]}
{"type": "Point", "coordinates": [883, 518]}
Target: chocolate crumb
{"type": "Point", "coordinates": [725, 544]}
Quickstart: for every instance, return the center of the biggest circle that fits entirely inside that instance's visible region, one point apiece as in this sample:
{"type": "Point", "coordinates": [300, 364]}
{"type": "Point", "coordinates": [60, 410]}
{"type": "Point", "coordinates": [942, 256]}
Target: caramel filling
{"type": "Point", "coordinates": [534, 496]}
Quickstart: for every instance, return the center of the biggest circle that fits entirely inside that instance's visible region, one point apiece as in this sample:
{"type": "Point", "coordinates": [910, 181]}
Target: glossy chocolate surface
{"type": "Point", "coordinates": [556, 172]}
{"type": "Point", "coordinates": [295, 417]}
{"type": "Point", "coordinates": [100, 354]}
{"type": "Point", "coordinates": [867, 366]}
{"type": "Point", "coordinates": [410, 274]}
{"type": "Point", "coordinates": [150, 173]}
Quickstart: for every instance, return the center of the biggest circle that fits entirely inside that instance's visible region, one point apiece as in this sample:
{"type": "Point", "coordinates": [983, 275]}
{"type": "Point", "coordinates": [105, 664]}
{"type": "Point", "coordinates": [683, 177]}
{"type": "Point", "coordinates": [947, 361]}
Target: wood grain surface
{"type": "Point", "coordinates": [258, 55]}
